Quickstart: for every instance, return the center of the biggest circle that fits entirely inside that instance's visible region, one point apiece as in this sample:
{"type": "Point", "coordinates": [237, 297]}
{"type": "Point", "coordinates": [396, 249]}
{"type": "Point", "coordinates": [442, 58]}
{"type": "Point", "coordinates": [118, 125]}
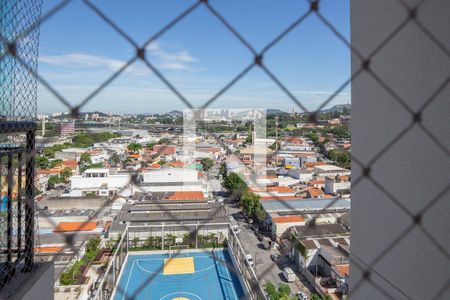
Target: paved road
{"type": "Point", "coordinates": [266, 269]}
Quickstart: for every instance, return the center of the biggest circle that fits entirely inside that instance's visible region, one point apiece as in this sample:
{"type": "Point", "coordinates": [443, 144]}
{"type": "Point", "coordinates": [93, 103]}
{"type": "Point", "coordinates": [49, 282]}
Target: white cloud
{"type": "Point", "coordinates": [85, 60]}
{"type": "Point", "coordinates": [161, 58]}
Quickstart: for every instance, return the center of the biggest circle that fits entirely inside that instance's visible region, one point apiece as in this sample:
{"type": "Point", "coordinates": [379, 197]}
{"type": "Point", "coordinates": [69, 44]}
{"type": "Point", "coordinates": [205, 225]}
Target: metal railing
{"type": "Point", "coordinates": [107, 286]}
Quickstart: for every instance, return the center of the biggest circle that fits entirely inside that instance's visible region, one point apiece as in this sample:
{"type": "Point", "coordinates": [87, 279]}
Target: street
{"type": "Point", "coordinates": [266, 270]}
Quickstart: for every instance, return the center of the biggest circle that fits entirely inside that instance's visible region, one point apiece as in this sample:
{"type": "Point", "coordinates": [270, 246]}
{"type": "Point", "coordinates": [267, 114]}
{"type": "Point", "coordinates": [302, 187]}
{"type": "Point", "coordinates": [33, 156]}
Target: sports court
{"type": "Point", "coordinates": [181, 276]}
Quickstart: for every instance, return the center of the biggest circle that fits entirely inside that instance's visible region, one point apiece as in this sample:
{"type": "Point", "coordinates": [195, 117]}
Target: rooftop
{"type": "Point", "coordinates": [288, 219]}
{"type": "Point", "coordinates": [186, 196]}
{"type": "Point", "coordinates": [308, 204]}
{"type": "Point", "coordinates": [75, 226]}
{"type": "Point", "coordinates": [324, 230]}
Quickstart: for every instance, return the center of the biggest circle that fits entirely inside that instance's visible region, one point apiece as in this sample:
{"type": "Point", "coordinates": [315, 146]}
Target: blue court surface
{"type": "Point", "coordinates": [211, 278]}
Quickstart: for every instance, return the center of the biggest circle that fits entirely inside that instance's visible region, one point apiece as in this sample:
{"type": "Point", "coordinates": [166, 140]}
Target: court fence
{"type": "Point", "coordinates": [104, 288]}
{"type": "Point", "coordinates": [248, 273]}
{"type": "Point", "coordinates": [171, 236]}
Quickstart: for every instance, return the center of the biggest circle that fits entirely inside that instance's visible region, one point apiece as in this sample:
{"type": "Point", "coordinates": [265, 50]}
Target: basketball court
{"type": "Point", "coordinates": [179, 275]}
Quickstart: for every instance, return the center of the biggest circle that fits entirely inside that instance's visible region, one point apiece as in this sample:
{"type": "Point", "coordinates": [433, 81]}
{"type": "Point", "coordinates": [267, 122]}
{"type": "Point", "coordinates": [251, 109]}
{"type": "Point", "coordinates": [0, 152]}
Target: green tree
{"type": "Point", "coordinates": [115, 159]}
{"type": "Point", "coordinates": [54, 163]}
{"type": "Point", "coordinates": [149, 146]}
{"type": "Point", "coordinates": [65, 173]}
{"type": "Point", "coordinates": [250, 203]}
{"type": "Point", "coordinates": [233, 182]}
{"type": "Point", "coordinates": [53, 181]}
{"type": "Point", "coordinates": [134, 147]}
{"type": "Point", "coordinates": [42, 162]}
{"type": "Point", "coordinates": [271, 290]}
{"type": "Point", "coordinates": [164, 141]}
{"type": "Point", "coordinates": [83, 140]}
{"type": "Point", "coordinates": [284, 289]}
{"type": "Point", "coordinates": [260, 213]}
{"type": "Point", "coordinates": [207, 163]}
{"type": "Point", "coordinates": [92, 248]}
{"type": "Point", "coordinates": [85, 159]}
{"type": "Point", "coordinates": [223, 170]}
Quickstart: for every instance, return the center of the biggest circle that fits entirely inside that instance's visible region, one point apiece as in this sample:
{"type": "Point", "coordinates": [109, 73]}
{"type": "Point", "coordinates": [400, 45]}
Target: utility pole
{"type": "Point", "coordinates": [276, 139]}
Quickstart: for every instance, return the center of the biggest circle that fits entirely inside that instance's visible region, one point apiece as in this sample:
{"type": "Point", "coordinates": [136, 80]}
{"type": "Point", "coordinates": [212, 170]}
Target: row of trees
{"type": "Point", "coordinates": [84, 140]}
{"type": "Point", "coordinates": [43, 162]}
{"type": "Point", "coordinates": [57, 179]}
{"type": "Point", "coordinates": [136, 147]}
{"type": "Point", "coordinates": [155, 242]}
{"type": "Point", "coordinates": [249, 201]}
{"type": "Point", "coordinates": [86, 163]}
{"type": "Point", "coordinates": [72, 274]}
{"type": "Point", "coordinates": [342, 158]}
{"type": "Point", "coordinates": [282, 293]}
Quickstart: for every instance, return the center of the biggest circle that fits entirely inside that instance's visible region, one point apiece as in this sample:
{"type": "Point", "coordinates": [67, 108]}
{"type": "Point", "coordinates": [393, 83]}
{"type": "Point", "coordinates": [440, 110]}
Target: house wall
{"type": "Point", "coordinates": [331, 186]}
{"type": "Point", "coordinates": [112, 181]}
{"type": "Point", "coordinates": [279, 228]}
{"type": "Point", "coordinates": [171, 175]}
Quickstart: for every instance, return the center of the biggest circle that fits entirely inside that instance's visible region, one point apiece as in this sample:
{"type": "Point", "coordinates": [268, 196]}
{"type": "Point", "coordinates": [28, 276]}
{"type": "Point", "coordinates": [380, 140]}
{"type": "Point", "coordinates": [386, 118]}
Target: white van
{"type": "Point", "coordinates": [289, 275]}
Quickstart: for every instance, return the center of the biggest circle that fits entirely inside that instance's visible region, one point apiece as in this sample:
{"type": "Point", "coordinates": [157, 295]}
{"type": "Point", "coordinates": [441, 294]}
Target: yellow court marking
{"type": "Point", "coordinates": [179, 265]}
{"type": "Point", "coordinates": [180, 298]}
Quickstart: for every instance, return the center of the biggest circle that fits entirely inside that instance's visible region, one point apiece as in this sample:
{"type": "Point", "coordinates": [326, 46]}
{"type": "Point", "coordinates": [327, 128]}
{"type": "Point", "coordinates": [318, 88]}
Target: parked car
{"type": "Point", "coordinates": [289, 275]}
{"type": "Point", "coordinates": [250, 260]}
{"type": "Point", "coordinates": [274, 257]}
{"type": "Point", "coordinates": [301, 296]}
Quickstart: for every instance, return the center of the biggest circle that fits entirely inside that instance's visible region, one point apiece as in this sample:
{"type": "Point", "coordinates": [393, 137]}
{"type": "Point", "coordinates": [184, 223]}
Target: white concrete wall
{"type": "Point", "coordinates": [331, 186]}
{"type": "Point", "coordinates": [279, 228]}
{"type": "Point", "coordinates": [112, 181]}
{"type": "Point", "coordinates": [171, 175]}
{"type": "Point", "coordinates": [174, 188]}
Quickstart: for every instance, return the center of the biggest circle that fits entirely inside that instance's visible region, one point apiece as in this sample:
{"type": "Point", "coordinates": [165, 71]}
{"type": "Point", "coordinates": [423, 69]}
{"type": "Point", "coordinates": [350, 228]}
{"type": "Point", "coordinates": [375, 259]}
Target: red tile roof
{"type": "Point", "coordinates": [75, 226]}
{"type": "Point", "coordinates": [315, 182]}
{"type": "Point", "coordinates": [176, 164]}
{"type": "Point", "coordinates": [70, 163]}
{"type": "Point", "coordinates": [48, 249]}
{"type": "Point", "coordinates": [164, 149]}
{"type": "Point", "coordinates": [288, 219]}
{"type": "Point", "coordinates": [187, 196]}
{"type": "Point", "coordinates": [280, 189]}
{"type": "Point", "coordinates": [48, 171]}
{"type": "Point", "coordinates": [275, 197]}
{"type": "Point", "coordinates": [315, 192]}
{"type": "Point", "coordinates": [344, 270]}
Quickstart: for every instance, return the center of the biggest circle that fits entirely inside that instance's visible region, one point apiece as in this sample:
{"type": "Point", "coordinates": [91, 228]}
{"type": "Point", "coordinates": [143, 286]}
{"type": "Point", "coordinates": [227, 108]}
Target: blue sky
{"type": "Point", "coordinates": [78, 51]}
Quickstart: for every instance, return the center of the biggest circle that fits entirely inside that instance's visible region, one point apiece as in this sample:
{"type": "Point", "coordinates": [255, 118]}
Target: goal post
{"type": "Point", "coordinates": [174, 249]}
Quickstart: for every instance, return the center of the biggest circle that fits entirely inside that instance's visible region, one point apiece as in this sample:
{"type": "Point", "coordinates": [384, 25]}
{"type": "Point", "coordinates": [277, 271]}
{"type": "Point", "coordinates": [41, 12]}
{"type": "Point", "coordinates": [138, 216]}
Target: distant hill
{"type": "Point", "coordinates": [174, 113]}
{"type": "Point", "coordinates": [274, 111]}
{"type": "Point", "coordinates": [101, 114]}
{"type": "Point", "coordinates": [337, 108]}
